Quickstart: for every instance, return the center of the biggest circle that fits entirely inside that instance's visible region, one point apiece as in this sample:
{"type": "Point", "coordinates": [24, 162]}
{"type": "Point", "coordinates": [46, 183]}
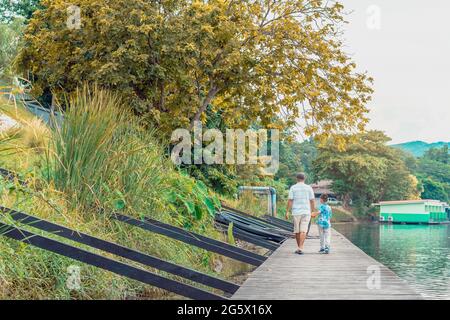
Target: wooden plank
{"type": "Point", "coordinates": [342, 274]}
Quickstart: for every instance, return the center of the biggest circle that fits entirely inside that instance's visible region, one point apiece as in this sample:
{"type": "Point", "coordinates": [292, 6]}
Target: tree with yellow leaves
{"type": "Point", "coordinates": [279, 63]}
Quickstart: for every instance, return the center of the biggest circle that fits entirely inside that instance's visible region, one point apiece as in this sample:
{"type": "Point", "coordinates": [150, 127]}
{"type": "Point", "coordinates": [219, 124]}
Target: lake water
{"type": "Point", "coordinates": [419, 254]}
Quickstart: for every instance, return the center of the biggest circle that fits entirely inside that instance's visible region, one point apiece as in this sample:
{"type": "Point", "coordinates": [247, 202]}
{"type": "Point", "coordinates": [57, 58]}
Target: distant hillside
{"type": "Point", "coordinates": [418, 148]}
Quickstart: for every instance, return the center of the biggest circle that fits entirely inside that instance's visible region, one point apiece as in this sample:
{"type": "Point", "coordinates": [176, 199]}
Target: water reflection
{"type": "Point", "coordinates": [420, 254]}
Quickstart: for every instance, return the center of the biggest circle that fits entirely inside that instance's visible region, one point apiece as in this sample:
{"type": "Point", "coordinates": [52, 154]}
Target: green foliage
{"type": "Point", "coordinates": [27, 272]}
{"type": "Point", "coordinates": [439, 155]}
{"type": "Point", "coordinates": [257, 204]}
{"type": "Point", "coordinates": [438, 170]}
{"type": "Point", "coordinates": [409, 160]}
{"type": "Point", "coordinates": [367, 170]}
{"type": "Point", "coordinates": [10, 35]}
{"type": "Point", "coordinates": [22, 146]}
{"type": "Point", "coordinates": [435, 190]}
{"type": "Point", "coordinates": [400, 182]}
{"type": "Point", "coordinates": [191, 200]}
{"type": "Point", "coordinates": [5, 147]}
{"type": "Point", "coordinates": [296, 157]}
{"type": "Point", "coordinates": [221, 178]}
{"type": "Point", "coordinates": [434, 171]}
{"type": "Point", "coordinates": [172, 59]}
{"type": "Point", "coordinates": [10, 9]}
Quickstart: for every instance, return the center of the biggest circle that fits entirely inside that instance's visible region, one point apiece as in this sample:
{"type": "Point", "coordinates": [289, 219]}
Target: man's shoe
{"type": "Point", "coordinates": [326, 251]}
{"type": "Point", "coordinates": [322, 250]}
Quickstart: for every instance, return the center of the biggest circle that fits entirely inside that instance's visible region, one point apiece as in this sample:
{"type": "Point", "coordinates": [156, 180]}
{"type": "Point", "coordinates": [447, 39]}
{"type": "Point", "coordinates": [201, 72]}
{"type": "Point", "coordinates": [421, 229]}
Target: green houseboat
{"type": "Point", "coordinates": [414, 211]}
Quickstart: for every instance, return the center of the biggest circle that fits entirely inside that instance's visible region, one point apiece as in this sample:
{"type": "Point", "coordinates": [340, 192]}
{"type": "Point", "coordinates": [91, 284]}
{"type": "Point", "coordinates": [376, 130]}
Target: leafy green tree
{"type": "Point", "coordinates": [11, 9]}
{"type": "Point", "coordinates": [9, 40]}
{"type": "Point", "coordinates": [172, 59]}
{"type": "Point", "coordinates": [434, 190]}
{"type": "Point", "coordinates": [308, 153]}
{"type": "Point", "coordinates": [367, 170]}
{"type": "Point", "coordinates": [400, 183]}
{"type": "Point", "coordinates": [296, 157]}
{"type": "Point", "coordinates": [436, 154]}
{"type": "Point", "coordinates": [433, 169]}
{"type": "Point", "coordinates": [438, 170]}
{"type": "Point", "coordinates": [409, 159]}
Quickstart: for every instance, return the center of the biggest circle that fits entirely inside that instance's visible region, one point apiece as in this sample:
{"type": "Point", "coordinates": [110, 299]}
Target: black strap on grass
{"type": "Point", "coordinates": [222, 249]}
{"type": "Point", "coordinates": [11, 176]}
{"type": "Point", "coordinates": [121, 251]}
{"type": "Point", "coordinates": [266, 231]}
{"type": "Point", "coordinates": [249, 237]}
{"type": "Point", "coordinates": [195, 239]}
{"type": "Point", "coordinates": [206, 239]}
{"type": "Point", "coordinates": [245, 214]}
{"type": "Point", "coordinates": [283, 224]}
{"type": "Point", "coordinates": [106, 263]}
{"type": "Point", "coordinates": [279, 223]}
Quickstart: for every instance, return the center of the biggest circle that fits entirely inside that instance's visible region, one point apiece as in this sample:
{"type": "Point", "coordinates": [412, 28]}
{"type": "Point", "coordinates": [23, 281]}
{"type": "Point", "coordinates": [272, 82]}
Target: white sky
{"type": "Point", "coordinates": [409, 58]}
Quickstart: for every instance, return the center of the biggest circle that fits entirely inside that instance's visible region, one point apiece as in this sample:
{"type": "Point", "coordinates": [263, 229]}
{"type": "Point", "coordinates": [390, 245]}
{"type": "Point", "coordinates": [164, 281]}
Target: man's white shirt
{"type": "Point", "coordinates": [301, 193]}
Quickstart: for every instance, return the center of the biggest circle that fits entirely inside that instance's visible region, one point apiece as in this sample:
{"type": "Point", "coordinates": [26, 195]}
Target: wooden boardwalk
{"type": "Point", "coordinates": [342, 274]}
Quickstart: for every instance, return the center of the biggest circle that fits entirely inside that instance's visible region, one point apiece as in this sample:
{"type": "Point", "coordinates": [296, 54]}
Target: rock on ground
{"type": "Point", "coordinates": [7, 123]}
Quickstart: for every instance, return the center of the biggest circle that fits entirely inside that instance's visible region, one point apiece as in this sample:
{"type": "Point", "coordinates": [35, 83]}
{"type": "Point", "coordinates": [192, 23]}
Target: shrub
{"type": "Point", "coordinates": [101, 158]}
{"type": "Point", "coordinates": [35, 134]}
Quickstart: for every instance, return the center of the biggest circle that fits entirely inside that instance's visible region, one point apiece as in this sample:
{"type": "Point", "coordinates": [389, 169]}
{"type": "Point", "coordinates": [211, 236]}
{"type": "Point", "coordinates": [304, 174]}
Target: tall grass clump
{"type": "Point", "coordinates": [82, 143]}
{"type": "Point", "coordinates": [101, 157]}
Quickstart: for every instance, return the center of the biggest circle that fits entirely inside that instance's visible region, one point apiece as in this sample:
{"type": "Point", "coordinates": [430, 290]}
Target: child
{"type": "Point", "coordinates": [324, 224]}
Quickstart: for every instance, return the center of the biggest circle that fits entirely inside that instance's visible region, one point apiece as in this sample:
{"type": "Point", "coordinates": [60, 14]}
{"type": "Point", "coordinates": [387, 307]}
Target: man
{"type": "Point", "coordinates": [301, 201]}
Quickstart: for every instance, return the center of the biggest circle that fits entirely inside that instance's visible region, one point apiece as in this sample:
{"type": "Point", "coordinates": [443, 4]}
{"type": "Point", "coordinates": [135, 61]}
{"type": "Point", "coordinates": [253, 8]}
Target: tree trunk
{"type": "Point", "coordinates": [346, 201]}
{"type": "Point", "coordinates": [211, 94]}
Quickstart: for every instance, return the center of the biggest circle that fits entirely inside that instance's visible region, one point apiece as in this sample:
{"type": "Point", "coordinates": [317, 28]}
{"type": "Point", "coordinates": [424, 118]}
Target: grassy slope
{"type": "Point", "coordinates": [30, 273]}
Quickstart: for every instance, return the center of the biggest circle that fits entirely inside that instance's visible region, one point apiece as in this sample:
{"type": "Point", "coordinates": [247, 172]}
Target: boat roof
{"type": "Point", "coordinates": [384, 203]}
